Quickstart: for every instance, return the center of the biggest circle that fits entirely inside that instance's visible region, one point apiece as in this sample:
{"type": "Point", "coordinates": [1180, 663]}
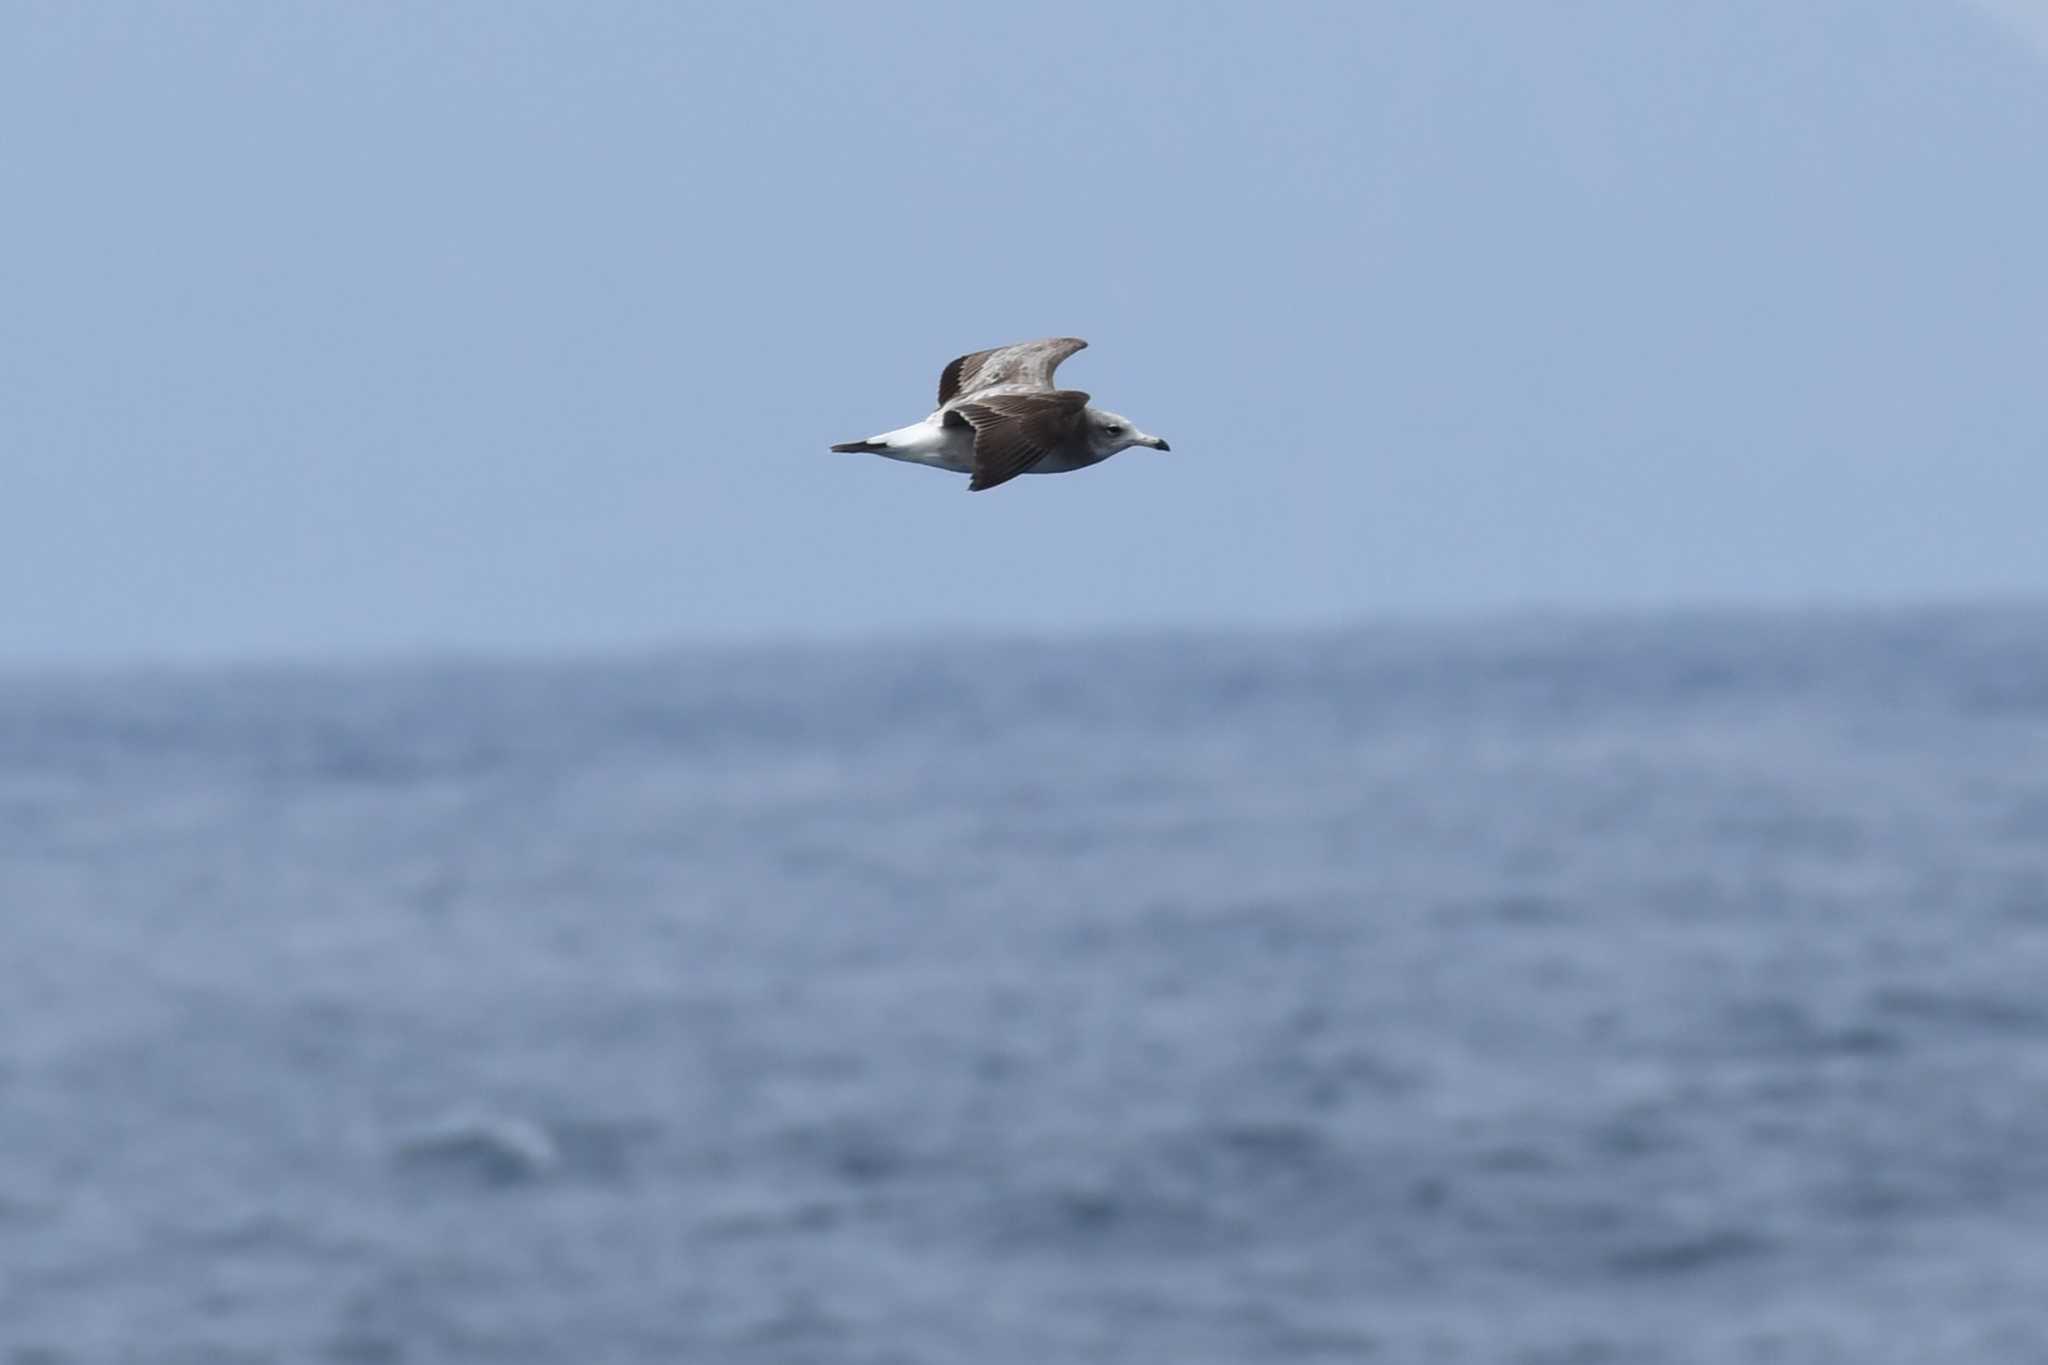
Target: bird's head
{"type": "Point", "coordinates": [1109, 432]}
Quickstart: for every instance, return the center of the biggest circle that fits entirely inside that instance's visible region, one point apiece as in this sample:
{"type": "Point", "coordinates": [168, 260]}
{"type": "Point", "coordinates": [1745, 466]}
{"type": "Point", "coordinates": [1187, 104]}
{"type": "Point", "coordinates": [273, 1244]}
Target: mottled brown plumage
{"type": "Point", "coordinates": [1026, 365]}
{"type": "Point", "coordinates": [1014, 431]}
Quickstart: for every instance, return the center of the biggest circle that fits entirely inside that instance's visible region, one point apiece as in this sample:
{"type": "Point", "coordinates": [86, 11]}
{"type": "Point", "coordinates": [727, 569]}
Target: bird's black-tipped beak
{"type": "Point", "coordinates": [1158, 444]}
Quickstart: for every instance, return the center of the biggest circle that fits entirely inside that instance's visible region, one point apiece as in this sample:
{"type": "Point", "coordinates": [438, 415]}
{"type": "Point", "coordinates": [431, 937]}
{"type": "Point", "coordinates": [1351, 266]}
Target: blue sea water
{"type": "Point", "coordinates": [1554, 990]}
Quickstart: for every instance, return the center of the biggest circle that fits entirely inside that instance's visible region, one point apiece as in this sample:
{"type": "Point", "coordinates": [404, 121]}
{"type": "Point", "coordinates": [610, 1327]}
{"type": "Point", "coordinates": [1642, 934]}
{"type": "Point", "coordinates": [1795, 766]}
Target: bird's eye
{"type": "Point", "coordinates": [1114, 430]}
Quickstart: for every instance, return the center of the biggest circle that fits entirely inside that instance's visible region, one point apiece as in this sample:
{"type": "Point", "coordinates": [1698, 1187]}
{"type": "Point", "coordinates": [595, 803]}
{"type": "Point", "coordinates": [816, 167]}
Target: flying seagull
{"type": "Point", "coordinates": [999, 416]}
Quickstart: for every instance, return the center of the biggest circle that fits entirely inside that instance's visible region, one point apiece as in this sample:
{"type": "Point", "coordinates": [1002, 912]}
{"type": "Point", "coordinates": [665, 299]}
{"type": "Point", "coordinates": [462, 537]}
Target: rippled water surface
{"type": "Point", "coordinates": [1626, 990]}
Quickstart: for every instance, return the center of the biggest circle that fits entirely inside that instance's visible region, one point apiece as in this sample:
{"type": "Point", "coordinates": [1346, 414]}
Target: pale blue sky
{"type": "Point", "coordinates": [369, 327]}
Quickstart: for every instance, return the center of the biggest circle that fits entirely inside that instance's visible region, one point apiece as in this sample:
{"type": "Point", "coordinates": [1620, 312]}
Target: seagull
{"type": "Point", "coordinates": [999, 416]}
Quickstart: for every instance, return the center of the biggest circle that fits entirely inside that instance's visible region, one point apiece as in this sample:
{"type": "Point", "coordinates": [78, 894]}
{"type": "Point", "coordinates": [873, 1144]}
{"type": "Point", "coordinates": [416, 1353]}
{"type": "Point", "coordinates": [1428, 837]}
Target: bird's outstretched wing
{"type": "Point", "coordinates": [1027, 365]}
{"type": "Point", "coordinates": [1014, 431]}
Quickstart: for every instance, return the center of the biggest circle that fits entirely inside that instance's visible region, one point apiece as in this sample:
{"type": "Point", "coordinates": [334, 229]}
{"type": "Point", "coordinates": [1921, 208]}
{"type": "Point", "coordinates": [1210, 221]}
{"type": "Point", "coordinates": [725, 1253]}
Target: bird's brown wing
{"type": "Point", "coordinates": [1026, 365]}
{"type": "Point", "coordinates": [1014, 431]}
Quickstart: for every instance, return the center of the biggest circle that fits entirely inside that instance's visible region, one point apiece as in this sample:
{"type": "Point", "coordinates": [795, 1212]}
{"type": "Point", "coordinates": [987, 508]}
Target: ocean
{"type": "Point", "coordinates": [1547, 989]}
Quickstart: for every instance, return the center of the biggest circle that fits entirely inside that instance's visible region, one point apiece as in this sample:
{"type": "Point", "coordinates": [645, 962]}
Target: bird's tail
{"type": "Point", "coordinates": [861, 447]}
